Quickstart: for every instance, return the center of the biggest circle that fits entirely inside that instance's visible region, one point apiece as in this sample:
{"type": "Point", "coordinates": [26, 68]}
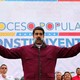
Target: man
{"type": "Point", "coordinates": [77, 77]}
{"type": "Point", "coordinates": [39, 59]}
{"type": "Point", "coordinates": [58, 75]}
{"type": "Point", "coordinates": [3, 75]}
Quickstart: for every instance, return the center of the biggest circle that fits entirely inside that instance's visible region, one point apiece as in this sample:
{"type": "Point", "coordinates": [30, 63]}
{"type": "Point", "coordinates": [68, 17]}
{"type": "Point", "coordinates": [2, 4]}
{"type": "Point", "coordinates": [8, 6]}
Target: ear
{"type": "Point", "coordinates": [33, 36]}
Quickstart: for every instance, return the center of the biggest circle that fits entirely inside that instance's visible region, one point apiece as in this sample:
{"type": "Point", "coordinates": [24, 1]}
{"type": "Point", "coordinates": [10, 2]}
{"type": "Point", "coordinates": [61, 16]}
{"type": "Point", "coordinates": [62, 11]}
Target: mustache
{"type": "Point", "coordinates": [38, 38]}
{"type": "Point", "coordinates": [35, 39]}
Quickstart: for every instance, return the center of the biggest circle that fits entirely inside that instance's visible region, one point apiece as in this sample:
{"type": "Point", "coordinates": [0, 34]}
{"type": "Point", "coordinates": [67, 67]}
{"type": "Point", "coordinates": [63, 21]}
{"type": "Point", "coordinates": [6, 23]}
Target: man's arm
{"type": "Point", "coordinates": [13, 53]}
{"type": "Point", "coordinates": [68, 52]}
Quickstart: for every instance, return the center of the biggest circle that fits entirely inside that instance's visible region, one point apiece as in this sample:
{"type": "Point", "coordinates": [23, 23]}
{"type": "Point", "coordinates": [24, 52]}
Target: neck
{"type": "Point", "coordinates": [39, 45]}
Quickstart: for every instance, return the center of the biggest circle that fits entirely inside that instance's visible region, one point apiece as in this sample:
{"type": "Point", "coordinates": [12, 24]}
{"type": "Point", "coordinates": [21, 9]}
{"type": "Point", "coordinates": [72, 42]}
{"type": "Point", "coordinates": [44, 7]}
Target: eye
{"type": "Point", "coordinates": [3, 68]}
{"type": "Point", "coordinates": [41, 33]}
{"type": "Point", "coordinates": [38, 33]}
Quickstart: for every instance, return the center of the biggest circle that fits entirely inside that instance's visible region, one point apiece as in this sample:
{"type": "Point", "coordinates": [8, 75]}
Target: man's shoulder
{"type": "Point", "coordinates": [31, 45]}
{"type": "Point", "coordinates": [74, 76]}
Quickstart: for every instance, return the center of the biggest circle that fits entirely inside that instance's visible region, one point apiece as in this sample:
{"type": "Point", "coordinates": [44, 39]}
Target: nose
{"type": "Point", "coordinates": [38, 35]}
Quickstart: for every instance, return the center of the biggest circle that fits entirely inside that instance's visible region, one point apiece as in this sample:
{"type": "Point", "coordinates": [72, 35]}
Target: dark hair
{"type": "Point", "coordinates": [69, 73]}
{"type": "Point", "coordinates": [77, 69]}
{"type": "Point", "coordinates": [62, 77]}
{"type": "Point", "coordinates": [38, 28]}
{"type": "Point", "coordinates": [3, 65]}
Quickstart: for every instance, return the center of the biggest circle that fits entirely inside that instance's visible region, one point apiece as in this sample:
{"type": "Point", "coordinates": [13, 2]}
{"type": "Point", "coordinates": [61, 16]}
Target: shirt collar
{"type": "Point", "coordinates": [43, 45]}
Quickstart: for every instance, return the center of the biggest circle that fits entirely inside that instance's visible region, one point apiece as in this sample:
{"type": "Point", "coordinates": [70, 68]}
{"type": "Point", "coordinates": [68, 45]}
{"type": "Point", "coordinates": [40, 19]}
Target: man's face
{"type": "Point", "coordinates": [4, 69]}
{"type": "Point", "coordinates": [58, 76]}
{"type": "Point", "coordinates": [38, 35]}
{"type": "Point", "coordinates": [78, 72]}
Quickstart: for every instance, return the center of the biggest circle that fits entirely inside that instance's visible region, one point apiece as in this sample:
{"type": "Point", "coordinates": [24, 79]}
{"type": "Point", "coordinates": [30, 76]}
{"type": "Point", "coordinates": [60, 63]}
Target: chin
{"type": "Point", "coordinates": [38, 42]}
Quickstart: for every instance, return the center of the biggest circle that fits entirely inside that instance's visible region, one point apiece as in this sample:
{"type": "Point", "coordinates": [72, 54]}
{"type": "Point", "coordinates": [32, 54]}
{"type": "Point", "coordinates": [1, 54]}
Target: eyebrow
{"type": "Point", "coordinates": [38, 33]}
{"type": "Point", "coordinates": [3, 67]}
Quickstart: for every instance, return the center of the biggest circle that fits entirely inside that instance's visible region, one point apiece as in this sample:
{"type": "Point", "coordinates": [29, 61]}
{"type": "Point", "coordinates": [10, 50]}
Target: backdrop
{"type": "Point", "coordinates": [60, 19]}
